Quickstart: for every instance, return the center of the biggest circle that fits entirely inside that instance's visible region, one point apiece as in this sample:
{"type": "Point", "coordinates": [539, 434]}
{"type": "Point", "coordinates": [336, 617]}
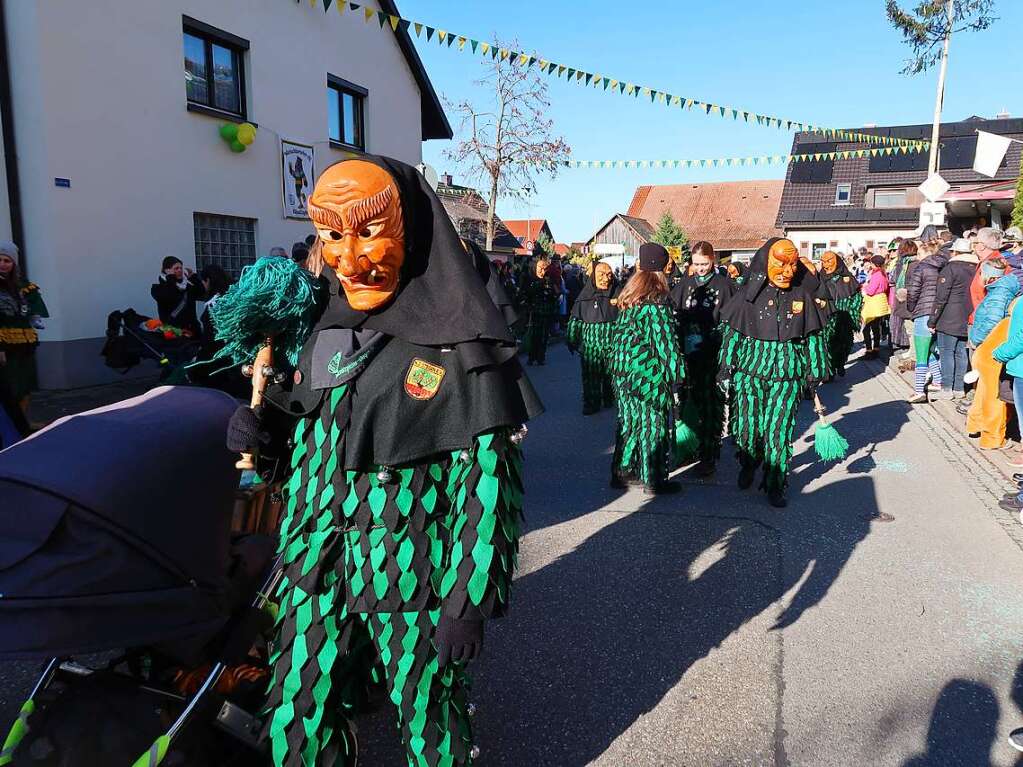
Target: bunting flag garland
{"type": "Point", "coordinates": [605, 83]}
{"type": "Point", "coordinates": [728, 162]}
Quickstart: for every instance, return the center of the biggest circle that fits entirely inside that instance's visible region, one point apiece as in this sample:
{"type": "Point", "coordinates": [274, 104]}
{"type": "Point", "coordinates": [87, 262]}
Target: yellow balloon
{"type": "Point", "coordinates": [246, 133]}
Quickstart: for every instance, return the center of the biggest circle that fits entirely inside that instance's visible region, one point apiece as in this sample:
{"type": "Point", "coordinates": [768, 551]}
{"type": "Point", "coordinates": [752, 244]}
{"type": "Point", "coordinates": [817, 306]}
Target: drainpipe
{"type": "Point", "coordinates": [10, 148]}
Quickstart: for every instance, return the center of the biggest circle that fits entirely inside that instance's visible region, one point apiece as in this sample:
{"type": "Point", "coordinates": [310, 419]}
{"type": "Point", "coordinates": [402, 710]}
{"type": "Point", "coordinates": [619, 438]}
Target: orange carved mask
{"type": "Point", "coordinates": [829, 260]}
{"type": "Point", "coordinates": [541, 268]}
{"type": "Point", "coordinates": [356, 208]}
{"type": "Point", "coordinates": [602, 276]}
{"type": "Point", "coordinates": [782, 261]}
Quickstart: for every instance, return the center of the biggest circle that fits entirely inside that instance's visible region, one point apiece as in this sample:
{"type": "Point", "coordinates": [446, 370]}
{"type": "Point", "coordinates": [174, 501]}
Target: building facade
{"type": "Point", "coordinates": [119, 160]}
{"type": "Point", "coordinates": [468, 212]}
{"type": "Point", "coordinates": [845, 204]}
{"type": "Point", "coordinates": [628, 232]}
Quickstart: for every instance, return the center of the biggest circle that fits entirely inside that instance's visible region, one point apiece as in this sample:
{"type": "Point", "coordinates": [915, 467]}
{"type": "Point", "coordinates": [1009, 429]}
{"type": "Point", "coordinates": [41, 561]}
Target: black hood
{"type": "Point", "coordinates": [593, 305]}
{"type": "Point", "coordinates": [441, 301]}
{"type": "Point", "coordinates": [841, 283]}
{"type": "Point", "coordinates": [487, 270]}
{"type": "Point", "coordinates": [760, 310]}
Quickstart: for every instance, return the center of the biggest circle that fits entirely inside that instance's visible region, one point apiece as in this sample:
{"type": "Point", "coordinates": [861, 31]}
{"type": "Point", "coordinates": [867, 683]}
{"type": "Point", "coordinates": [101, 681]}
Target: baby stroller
{"type": "Point", "coordinates": [129, 341]}
{"type": "Point", "coordinates": [117, 541]}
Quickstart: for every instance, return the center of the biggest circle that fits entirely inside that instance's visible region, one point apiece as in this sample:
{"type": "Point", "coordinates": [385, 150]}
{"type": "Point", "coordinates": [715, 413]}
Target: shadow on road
{"type": "Point", "coordinates": [963, 727]}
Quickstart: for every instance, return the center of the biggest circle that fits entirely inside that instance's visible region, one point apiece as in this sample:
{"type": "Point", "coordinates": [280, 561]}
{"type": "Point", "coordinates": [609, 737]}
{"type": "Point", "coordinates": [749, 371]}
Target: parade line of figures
{"type": "Point", "coordinates": [676, 349]}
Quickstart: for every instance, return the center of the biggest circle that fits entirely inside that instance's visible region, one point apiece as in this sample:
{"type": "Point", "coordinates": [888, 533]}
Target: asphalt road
{"type": "Point", "coordinates": [874, 622]}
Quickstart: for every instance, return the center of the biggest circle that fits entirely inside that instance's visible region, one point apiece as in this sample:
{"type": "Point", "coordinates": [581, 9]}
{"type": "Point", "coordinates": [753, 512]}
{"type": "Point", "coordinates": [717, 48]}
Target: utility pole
{"type": "Point", "coordinates": [932, 165]}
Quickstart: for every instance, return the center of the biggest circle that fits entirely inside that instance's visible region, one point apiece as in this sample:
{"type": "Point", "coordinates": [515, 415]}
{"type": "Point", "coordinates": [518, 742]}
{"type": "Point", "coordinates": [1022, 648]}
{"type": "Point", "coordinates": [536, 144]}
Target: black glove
{"type": "Point", "coordinates": [245, 432]}
{"type": "Point", "coordinates": [810, 387]}
{"type": "Point", "coordinates": [458, 640]}
{"type": "Point", "coordinates": [724, 375]}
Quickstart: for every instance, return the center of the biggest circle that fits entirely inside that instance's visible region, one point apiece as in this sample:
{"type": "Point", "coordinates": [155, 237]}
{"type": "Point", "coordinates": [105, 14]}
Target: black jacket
{"type": "Point", "coordinates": [922, 284]}
{"type": "Point", "coordinates": [953, 304]}
{"type": "Point", "coordinates": [175, 301]}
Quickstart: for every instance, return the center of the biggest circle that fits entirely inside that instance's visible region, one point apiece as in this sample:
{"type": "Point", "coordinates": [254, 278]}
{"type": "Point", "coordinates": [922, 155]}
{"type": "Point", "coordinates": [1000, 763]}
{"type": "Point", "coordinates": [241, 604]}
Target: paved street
{"type": "Point", "coordinates": [708, 629]}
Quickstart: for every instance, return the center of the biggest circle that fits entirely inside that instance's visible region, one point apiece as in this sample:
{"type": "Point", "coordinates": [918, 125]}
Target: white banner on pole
{"type": "Point", "coordinates": [991, 149]}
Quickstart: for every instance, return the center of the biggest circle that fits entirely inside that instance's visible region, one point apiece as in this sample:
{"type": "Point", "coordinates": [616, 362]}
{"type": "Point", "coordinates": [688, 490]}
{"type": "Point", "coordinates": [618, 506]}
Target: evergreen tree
{"type": "Point", "coordinates": [668, 233]}
{"type": "Point", "coordinates": [546, 244]}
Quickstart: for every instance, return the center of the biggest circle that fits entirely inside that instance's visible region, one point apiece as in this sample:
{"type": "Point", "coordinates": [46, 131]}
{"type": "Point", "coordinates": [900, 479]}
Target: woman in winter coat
{"type": "Point", "coordinates": [901, 322]}
{"type": "Point", "coordinates": [921, 293]}
{"type": "Point", "coordinates": [875, 306]}
{"type": "Point", "coordinates": [950, 317]}
{"type": "Point", "coordinates": [176, 293]}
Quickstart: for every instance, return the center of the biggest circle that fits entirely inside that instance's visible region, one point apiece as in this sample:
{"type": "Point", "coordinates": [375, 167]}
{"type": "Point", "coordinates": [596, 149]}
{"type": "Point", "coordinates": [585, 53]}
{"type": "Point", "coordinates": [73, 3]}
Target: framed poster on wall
{"type": "Point", "coordinates": [297, 175]}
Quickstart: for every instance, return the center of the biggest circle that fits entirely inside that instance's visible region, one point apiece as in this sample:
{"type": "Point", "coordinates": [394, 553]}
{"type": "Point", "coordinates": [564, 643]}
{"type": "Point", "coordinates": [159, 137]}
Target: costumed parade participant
{"type": "Point", "coordinates": [699, 299]}
{"type": "Point", "coordinates": [589, 332]}
{"type": "Point", "coordinates": [646, 367]}
{"type": "Point", "coordinates": [674, 271]}
{"type": "Point", "coordinates": [538, 298]}
{"type": "Point", "coordinates": [773, 351]}
{"type": "Point", "coordinates": [846, 303]}
{"type": "Point", "coordinates": [21, 314]}
{"type": "Point", "coordinates": [735, 272]}
{"type": "Point", "coordinates": [404, 485]}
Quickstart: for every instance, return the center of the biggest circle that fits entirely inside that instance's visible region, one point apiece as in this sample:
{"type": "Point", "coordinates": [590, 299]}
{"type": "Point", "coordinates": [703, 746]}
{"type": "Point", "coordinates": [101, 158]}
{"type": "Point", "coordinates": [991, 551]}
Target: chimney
{"type": "Point", "coordinates": [446, 180]}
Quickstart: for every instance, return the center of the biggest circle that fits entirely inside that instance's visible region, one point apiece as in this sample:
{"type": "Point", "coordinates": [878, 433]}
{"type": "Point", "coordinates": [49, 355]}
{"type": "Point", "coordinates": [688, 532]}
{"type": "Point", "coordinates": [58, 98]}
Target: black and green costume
{"type": "Point", "coordinates": [646, 366]}
{"type": "Point", "coordinates": [403, 500]}
{"type": "Point", "coordinates": [539, 302]}
{"type": "Point", "coordinates": [845, 300]}
{"type": "Point", "coordinates": [773, 351]}
{"type": "Point", "coordinates": [699, 301]}
{"type": "Point", "coordinates": [590, 332]}
{"type": "Point", "coordinates": [21, 307]}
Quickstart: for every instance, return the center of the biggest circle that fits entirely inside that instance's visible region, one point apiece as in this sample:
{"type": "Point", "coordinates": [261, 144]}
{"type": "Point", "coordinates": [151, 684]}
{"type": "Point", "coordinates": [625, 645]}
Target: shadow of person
{"type": "Point", "coordinates": [963, 727]}
{"type": "Point", "coordinates": [603, 635]}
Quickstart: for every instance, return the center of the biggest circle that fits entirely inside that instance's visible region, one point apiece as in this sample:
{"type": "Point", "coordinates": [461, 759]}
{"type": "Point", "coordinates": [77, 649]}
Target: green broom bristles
{"type": "Point", "coordinates": [275, 297]}
{"type": "Point", "coordinates": [829, 444]}
{"type": "Point", "coordinates": [687, 441]}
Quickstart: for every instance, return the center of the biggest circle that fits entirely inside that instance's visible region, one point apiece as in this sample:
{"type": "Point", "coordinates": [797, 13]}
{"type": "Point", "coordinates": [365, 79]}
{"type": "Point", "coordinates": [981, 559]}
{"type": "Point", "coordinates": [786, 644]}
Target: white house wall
{"type": "Point", "coordinates": [847, 239]}
{"type": "Point", "coordinates": [99, 98]}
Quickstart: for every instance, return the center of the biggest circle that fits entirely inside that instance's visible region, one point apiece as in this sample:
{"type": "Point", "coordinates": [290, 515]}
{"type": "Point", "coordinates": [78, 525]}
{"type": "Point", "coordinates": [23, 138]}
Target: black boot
{"type": "Point", "coordinates": [747, 473]}
{"type": "Point", "coordinates": [666, 487]}
{"type": "Point", "coordinates": [705, 469]}
{"type": "Point", "coordinates": [777, 499]}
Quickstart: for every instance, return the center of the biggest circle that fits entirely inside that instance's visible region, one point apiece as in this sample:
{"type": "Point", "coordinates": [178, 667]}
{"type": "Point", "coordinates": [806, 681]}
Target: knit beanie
{"type": "Point", "coordinates": [9, 249]}
{"type": "Point", "coordinates": [652, 257]}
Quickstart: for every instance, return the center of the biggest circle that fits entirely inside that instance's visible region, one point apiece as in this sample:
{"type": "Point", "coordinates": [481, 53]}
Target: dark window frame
{"type": "Point", "coordinates": [360, 94]}
{"type": "Point", "coordinates": [239, 46]}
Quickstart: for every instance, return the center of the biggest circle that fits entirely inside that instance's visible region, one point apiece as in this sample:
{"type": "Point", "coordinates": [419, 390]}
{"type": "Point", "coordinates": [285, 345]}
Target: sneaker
{"type": "Point", "coordinates": [1014, 504]}
{"type": "Point", "coordinates": [1016, 739]}
{"type": "Point", "coordinates": [777, 499]}
{"type": "Point", "coordinates": [746, 476]}
{"type": "Point", "coordinates": [963, 408]}
{"type": "Point", "coordinates": [1017, 462]}
{"type": "Point", "coordinates": [917, 399]}
{"type": "Point", "coordinates": [1017, 477]}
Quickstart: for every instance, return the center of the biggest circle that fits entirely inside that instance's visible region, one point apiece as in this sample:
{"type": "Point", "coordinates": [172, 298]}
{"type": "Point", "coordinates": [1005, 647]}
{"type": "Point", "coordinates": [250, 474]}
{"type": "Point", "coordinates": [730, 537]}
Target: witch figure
{"type": "Point", "coordinates": [773, 352]}
{"type": "Point", "coordinates": [403, 485]}
{"type": "Point", "coordinates": [845, 299]}
{"type": "Point", "coordinates": [589, 333]}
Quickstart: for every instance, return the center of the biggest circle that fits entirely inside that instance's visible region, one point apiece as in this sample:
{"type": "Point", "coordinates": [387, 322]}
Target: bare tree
{"type": "Point", "coordinates": [932, 22]}
{"type": "Point", "coordinates": [511, 141]}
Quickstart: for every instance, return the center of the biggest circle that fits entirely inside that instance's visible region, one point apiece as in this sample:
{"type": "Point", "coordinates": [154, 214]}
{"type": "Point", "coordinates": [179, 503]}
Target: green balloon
{"type": "Point", "coordinates": [237, 146]}
{"type": "Point", "coordinates": [229, 132]}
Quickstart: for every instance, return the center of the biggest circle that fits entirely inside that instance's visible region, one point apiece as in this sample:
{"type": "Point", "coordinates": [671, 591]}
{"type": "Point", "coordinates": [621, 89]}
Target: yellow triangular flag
{"type": "Point", "coordinates": [485, 47]}
{"type": "Point", "coordinates": [418, 26]}
{"type": "Point", "coordinates": [441, 35]}
{"type": "Point", "coordinates": [342, 6]}
{"type": "Point", "coordinates": [461, 43]}
{"type": "Point", "coordinates": [561, 69]}
{"type": "Point", "coordinates": [394, 22]}
{"type": "Point", "coordinates": [369, 13]}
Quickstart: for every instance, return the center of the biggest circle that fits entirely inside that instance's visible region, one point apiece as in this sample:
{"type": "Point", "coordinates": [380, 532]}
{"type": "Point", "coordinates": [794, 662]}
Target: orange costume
{"type": "Point", "coordinates": [988, 414]}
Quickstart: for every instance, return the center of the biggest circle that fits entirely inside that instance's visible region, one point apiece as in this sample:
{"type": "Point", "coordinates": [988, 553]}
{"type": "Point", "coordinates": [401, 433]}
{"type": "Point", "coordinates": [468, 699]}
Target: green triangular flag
{"type": "Point", "coordinates": [326, 5]}
{"type": "Point", "coordinates": [474, 43]}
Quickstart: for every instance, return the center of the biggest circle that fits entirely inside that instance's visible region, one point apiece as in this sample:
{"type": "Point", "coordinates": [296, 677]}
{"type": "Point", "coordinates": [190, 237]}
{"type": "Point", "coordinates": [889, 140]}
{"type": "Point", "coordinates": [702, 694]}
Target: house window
{"type": "Point", "coordinates": [818, 250]}
{"type": "Point", "coordinates": [843, 194]}
{"type": "Point", "coordinates": [225, 241]}
{"type": "Point", "coordinates": [890, 198]}
{"type": "Point", "coordinates": [214, 69]}
{"type": "Point", "coordinates": [346, 113]}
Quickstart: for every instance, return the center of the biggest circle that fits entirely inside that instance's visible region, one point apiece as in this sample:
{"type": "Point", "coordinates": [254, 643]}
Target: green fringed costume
{"type": "Point", "coordinates": [646, 366]}
{"type": "Point", "coordinates": [403, 495]}
{"type": "Point", "coordinates": [699, 301]}
{"type": "Point", "coordinates": [773, 351]}
{"type": "Point", "coordinates": [846, 304]}
{"type": "Point", "coordinates": [539, 302]}
{"type": "Point", "coordinates": [589, 332]}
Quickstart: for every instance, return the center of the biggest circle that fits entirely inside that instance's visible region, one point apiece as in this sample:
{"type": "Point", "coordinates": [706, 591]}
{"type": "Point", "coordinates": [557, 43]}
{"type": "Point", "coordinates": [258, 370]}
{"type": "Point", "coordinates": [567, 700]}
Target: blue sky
{"type": "Point", "coordinates": [827, 63]}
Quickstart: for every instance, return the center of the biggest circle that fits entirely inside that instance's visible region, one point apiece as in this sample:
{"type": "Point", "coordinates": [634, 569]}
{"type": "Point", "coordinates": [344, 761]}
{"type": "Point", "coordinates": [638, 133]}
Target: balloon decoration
{"type": "Point", "coordinates": [238, 137]}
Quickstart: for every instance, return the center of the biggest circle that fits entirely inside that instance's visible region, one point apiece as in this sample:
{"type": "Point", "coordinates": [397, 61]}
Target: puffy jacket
{"type": "Point", "coordinates": [953, 305]}
{"type": "Point", "coordinates": [1011, 352]}
{"type": "Point", "coordinates": [994, 308]}
{"type": "Point", "coordinates": [922, 284]}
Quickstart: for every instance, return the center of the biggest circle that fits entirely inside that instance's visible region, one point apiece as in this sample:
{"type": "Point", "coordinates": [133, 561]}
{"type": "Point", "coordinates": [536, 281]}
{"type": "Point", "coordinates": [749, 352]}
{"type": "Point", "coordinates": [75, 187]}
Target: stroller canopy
{"type": "Point", "coordinates": [117, 526]}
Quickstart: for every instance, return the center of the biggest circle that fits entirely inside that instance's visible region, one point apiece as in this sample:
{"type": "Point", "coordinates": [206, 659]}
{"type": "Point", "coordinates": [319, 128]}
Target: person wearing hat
{"type": "Point", "coordinates": [176, 293]}
{"type": "Point", "coordinates": [950, 317]}
{"type": "Point", "coordinates": [21, 314]}
{"type": "Point", "coordinates": [875, 310]}
{"type": "Point", "coordinates": [646, 367]}
{"type": "Point", "coordinates": [403, 475]}
{"type": "Point", "coordinates": [921, 290]}
{"type": "Point", "coordinates": [774, 350]}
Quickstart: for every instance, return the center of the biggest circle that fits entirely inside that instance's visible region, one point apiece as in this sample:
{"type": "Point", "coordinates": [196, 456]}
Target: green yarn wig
{"type": "Point", "coordinates": [275, 297]}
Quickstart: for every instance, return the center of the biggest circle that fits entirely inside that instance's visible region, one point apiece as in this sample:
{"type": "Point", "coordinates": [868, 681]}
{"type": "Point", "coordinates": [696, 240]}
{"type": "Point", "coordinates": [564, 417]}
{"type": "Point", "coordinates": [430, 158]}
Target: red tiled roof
{"type": "Point", "coordinates": [526, 228]}
{"type": "Point", "coordinates": [731, 215]}
{"type": "Point", "coordinates": [561, 249]}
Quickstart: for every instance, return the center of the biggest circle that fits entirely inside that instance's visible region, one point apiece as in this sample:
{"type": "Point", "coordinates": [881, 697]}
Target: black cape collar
{"type": "Point", "coordinates": [593, 305]}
